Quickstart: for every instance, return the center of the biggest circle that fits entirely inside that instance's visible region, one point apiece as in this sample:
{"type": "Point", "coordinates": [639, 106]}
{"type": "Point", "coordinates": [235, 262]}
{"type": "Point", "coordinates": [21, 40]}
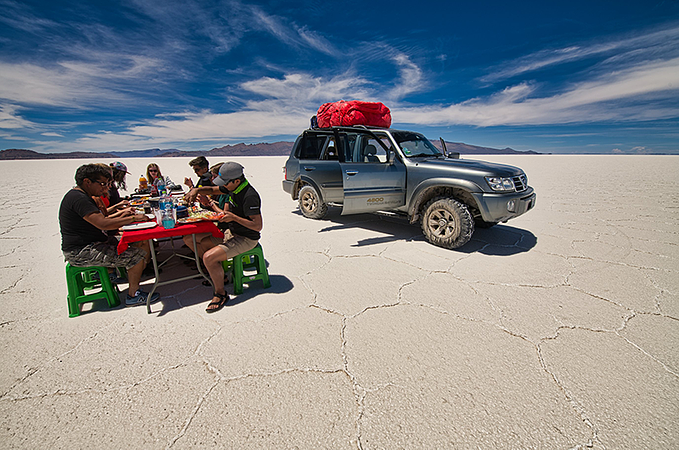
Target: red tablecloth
{"type": "Point", "coordinates": [160, 232]}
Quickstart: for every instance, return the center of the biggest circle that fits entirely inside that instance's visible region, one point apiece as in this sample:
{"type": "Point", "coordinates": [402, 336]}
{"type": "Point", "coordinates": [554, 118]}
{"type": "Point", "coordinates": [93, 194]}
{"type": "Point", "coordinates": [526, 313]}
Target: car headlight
{"type": "Point", "coordinates": [500, 184]}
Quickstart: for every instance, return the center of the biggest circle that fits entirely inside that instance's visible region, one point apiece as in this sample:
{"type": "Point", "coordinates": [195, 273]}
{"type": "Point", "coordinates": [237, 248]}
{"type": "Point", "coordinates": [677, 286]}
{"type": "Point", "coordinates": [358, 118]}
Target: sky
{"type": "Point", "coordinates": [553, 77]}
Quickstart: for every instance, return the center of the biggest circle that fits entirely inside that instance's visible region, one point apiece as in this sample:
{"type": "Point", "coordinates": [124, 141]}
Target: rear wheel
{"type": "Point", "coordinates": [447, 223]}
{"type": "Point", "coordinates": [310, 203]}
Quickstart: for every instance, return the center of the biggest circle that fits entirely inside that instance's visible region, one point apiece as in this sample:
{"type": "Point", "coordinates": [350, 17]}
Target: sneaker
{"type": "Point", "coordinates": [140, 298]}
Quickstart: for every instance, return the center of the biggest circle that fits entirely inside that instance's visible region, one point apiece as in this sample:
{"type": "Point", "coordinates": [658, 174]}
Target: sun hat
{"type": "Point", "coordinates": [229, 171]}
{"type": "Point", "coordinates": [119, 166]}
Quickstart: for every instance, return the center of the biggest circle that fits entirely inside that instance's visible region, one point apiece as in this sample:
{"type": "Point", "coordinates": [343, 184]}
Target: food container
{"type": "Point", "coordinates": [182, 212]}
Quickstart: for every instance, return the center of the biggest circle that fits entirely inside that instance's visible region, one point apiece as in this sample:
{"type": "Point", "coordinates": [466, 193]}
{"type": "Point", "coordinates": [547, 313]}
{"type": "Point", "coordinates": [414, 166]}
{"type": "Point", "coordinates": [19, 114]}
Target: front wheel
{"type": "Point", "coordinates": [447, 223]}
{"type": "Point", "coordinates": [310, 203]}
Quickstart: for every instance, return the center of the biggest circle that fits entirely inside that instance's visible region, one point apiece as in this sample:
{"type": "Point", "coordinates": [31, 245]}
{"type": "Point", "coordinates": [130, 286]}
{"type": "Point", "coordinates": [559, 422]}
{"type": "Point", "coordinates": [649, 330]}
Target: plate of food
{"type": "Point", "coordinates": [200, 216]}
{"type": "Point", "coordinates": [138, 226]}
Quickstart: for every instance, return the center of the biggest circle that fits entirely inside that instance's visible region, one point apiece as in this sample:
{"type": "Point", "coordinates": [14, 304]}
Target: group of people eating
{"type": "Point", "coordinates": [93, 211]}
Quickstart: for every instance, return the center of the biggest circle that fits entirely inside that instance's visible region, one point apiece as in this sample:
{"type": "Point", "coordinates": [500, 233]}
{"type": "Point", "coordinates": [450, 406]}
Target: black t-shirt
{"type": "Point", "coordinates": [114, 196]}
{"type": "Point", "coordinates": [205, 180]}
{"type": "Point", "coordinates": [76, 232]}
{"type": "Point", "coordinates": [243, 202]}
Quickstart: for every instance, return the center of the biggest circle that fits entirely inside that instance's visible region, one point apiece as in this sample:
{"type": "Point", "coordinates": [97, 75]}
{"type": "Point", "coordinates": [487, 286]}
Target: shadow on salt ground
{"type": "Point", "coordinates": [279, 285]}
{"type": "Point", "coordinates": [500, 240]}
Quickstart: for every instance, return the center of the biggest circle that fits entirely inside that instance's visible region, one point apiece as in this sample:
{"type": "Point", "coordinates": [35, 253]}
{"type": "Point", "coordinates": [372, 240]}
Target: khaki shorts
{"type": "Point", "coordinates": [233, 244]}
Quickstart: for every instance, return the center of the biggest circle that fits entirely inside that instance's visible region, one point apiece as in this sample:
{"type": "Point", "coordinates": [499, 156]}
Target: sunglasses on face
{"type": "Point", "coordinates": [102, 183]}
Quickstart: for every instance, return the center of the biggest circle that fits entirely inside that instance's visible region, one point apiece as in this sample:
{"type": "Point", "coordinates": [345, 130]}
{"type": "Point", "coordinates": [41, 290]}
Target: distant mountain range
{"type": "Point", "coordinates": [263, 149]}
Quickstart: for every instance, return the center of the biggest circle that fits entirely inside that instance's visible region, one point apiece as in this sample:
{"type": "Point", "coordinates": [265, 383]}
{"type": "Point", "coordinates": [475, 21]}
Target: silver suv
{"type": "Point", "coordinates": [366, 169]}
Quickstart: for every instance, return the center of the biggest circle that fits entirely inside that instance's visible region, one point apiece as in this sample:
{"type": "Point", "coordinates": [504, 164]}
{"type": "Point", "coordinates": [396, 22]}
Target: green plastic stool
{"type": "Point", "coordinates": [250, 260]}
{"type": "Point", "coordinates": [80, 279]}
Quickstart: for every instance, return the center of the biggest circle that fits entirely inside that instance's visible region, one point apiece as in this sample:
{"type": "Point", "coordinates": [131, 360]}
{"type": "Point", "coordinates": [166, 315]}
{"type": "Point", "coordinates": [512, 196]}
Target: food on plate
{"type": "Point", "coordinates": [138, 201]}
{"type": "Point", "coordinates": [197, 216]}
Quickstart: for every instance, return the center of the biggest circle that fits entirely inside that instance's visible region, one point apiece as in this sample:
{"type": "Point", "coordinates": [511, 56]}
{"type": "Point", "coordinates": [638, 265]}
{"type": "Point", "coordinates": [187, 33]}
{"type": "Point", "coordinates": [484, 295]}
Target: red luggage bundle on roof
{"type": "Point", "coordinates": [353, 112]}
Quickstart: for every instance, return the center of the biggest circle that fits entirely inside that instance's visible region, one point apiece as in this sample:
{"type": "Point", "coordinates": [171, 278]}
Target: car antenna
{"type": "Point", "coordinates": [444, 148]}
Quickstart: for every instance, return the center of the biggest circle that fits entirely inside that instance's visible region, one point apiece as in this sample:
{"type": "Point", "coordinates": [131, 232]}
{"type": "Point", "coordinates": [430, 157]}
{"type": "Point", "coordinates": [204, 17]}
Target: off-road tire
{"type": "Point", "coordinates": [310, 203]}
{"type": "Point", "coordinates": [447, 223]}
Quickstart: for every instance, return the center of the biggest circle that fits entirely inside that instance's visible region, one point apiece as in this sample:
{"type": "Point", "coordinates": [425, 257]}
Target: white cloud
{"type": "Point", "coordinates": [288, 104]}
{"type": "Point", "coordinates": [69, 84]}
{"type": "Point", "coordinates": [655, 44]}
{"type": "Point", "coordinates": [617, 96]}
{"type": "Point", "coordinates": [410, 80]}
{"type": "Point", "coordinates": [9, 120]}
{"type": "Point", "coordinates": [298, 89]}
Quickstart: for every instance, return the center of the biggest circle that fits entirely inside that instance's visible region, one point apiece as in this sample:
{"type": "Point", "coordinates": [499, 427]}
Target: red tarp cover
{"type": "Point", "coordinates": [353, 112]}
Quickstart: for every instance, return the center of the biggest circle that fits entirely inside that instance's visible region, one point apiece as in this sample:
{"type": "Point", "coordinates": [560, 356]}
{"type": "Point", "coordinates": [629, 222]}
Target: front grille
{"type": "Point", "coordinates": [520, 183]}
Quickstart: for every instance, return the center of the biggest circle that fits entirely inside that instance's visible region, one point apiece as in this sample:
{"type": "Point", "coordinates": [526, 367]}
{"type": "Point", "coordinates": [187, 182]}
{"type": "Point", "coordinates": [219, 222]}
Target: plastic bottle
{"type": "Point", "coordinates": [168, 213]}
{"type": "Point", "coordinates": [160, 185]}
{"type": "Point", "coordinates": [143, 184]}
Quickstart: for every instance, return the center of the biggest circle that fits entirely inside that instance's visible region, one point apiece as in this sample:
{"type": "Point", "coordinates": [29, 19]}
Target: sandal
{"type": "Point", "coordinates": [216, 305]}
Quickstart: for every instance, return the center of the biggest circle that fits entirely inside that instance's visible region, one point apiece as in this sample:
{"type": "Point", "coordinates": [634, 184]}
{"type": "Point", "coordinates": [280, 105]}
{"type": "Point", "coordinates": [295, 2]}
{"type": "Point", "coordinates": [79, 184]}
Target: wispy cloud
{"type": "Point", "coordinates": [649, 45]}
{"type": "Point", "coordinates": [10, 120]}
{"type": "Point", "coordinates": [410, 79]}
{"type": "Point", "coordinates": [616, 96]}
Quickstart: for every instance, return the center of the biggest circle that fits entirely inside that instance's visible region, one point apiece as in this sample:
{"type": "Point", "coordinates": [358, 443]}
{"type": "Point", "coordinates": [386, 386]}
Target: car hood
{"type": "Point", "coordinates": [482, 168]}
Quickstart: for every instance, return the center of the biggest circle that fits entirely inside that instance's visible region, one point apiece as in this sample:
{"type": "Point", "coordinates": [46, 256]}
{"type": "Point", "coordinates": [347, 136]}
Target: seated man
{"type": "Point", "coordinates": [244, 220]}
{"type": "Point", "coordinates": [84, 241]}
{"type": "Point", "coordinates": [201, 167]}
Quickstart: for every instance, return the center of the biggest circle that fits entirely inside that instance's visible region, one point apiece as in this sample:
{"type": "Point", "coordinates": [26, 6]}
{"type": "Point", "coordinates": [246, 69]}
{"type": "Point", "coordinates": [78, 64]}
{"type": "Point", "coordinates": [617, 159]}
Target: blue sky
{"type": "Point", "coordinates": [561, 77]}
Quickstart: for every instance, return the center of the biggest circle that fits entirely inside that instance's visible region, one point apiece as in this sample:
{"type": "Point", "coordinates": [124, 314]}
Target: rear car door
{"type": "Point", "coordinates": [373, 176]}
{"type": "Point", "coordinates": [319, 164]}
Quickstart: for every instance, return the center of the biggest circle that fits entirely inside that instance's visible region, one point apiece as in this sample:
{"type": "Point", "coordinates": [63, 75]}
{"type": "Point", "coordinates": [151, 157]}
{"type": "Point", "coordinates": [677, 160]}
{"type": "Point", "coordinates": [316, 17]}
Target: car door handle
{"type": "Point", "coordinates": [351, 173]}
{"type": "Point", "coordinates": [309, 168]}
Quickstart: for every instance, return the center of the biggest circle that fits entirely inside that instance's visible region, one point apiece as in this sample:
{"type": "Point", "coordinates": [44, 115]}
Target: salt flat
{"type": "Point", "coordinates": [556, 330]}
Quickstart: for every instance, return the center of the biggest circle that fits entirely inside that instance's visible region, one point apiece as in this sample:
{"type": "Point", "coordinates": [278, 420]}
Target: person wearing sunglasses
{"type": "Point", "coordinates": [155, 177]}
{"type": "Point", "coordinates": [243, 217]}
{"type": "Point", "coordinates": [83, 227]}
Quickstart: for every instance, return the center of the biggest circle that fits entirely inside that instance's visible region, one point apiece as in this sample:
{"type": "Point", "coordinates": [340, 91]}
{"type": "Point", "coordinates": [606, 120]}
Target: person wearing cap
{"type": "Point", "coordinates": [116, 202]}
{"type": "Point", "coordinates": [242, 214]}
{"type": "Point", "coordinates": [83, 227]}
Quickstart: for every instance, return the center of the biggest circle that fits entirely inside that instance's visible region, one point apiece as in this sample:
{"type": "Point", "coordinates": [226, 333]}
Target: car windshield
{"type": "Point", "coordinates": [414, 144]}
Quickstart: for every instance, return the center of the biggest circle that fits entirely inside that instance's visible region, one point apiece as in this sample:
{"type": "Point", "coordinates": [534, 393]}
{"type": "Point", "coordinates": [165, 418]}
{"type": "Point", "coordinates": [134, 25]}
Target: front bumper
{"type": "Point", "coordinates": [500, 207]}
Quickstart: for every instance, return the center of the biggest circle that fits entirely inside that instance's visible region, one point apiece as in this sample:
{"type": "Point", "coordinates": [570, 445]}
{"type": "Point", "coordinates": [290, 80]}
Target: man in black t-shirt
{"type": "Point", "coordinates": [201, 167]}
{"type": "Point", "coordinates": [84, 241]}
{"type": "Point", "coordinates": [244, 219]}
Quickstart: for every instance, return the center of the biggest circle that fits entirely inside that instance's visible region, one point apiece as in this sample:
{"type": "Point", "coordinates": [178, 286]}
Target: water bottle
{"type": "Point", "coordinates": [160, 185]}
{"type": "Point", "coordinates": [168, 213]}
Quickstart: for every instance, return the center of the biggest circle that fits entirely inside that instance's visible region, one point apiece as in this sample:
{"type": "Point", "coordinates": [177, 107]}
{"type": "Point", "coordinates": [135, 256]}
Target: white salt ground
{"type": "Point", "coordinates": [556, 330]}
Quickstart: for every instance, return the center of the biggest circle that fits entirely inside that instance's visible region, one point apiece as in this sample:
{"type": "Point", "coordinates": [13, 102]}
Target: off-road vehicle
{"type": "Point", "coordinates": [365, 169]}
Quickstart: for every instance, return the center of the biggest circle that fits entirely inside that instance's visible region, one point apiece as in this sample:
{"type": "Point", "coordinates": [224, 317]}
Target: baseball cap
{"type": "Point", "coordinates": [120, 166]}
{"type": "Point", "coordinates": [229, 171]}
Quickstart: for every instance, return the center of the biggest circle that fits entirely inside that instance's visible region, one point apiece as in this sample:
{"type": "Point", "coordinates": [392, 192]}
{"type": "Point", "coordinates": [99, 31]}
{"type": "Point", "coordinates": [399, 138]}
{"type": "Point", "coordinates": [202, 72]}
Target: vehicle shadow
{"type": "Point", "coordinates": [500, 240]}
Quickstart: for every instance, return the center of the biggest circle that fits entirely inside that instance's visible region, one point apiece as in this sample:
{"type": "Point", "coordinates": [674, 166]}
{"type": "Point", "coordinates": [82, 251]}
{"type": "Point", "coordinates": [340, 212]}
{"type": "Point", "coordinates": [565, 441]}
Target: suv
{"type": "Point", "coordinates": [366, 169]}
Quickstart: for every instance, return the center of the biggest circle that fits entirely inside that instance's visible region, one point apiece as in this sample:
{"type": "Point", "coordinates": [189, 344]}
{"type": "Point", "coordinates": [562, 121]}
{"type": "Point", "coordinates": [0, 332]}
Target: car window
{"type": "Point", "coordinates": [370, 150]}
{"type": "Point", "coordinates": [311, 146]}
{"type": "Point", "coordinates": [331, 152]}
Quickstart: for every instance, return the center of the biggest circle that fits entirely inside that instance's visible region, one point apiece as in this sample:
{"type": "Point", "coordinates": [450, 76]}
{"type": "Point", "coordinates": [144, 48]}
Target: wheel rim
{"type": "Point", "coordinates": [309, 201]}
{"type": "Point", "coordinates": [443, 224]}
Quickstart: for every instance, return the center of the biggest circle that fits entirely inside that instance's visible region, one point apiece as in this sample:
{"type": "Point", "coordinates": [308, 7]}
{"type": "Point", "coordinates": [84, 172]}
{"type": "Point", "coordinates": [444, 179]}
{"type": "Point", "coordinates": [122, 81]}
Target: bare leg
{"type": "Point", "coordinates": [144, 245]}
{"type": "Point", "coordinates": [203, 243]}
{"type": "Point", "coordinates": [213, 263]}
{"type": "Point", "coordinates": [134, 277]}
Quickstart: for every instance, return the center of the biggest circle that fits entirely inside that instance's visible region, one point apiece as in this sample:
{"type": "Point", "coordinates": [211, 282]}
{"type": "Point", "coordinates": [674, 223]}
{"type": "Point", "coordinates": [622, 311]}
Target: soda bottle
{"type": "Point", "coordinates": [143, 184]}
